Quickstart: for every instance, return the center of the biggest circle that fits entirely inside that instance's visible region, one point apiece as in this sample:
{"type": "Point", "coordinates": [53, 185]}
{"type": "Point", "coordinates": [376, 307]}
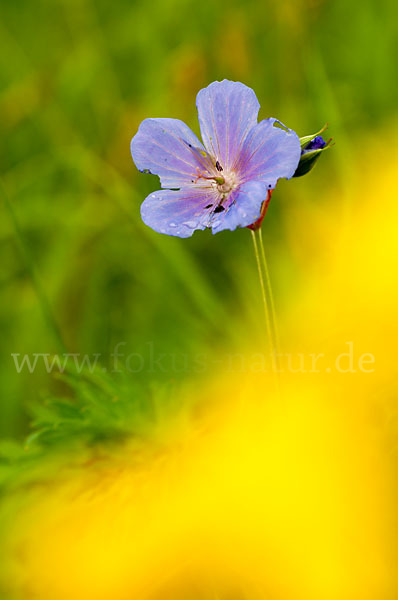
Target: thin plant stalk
{"type": "Point", "coordinates": [274, 321]}
{"type": "Point", "coordinates": [267, 296]}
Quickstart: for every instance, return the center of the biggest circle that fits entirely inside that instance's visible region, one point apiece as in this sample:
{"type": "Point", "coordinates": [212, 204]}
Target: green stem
{"type": "Point", "coordinates": [274, 321]}
{"type": "Point", "coordinates": [268, 301]}
{"type": "Point", "coordinates": [43, 300]}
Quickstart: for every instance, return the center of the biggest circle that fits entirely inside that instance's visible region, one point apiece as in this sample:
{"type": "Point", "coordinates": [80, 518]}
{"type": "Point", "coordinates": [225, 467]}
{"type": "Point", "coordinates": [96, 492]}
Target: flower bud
{"type": "Point", "coordinates": [311, 148]}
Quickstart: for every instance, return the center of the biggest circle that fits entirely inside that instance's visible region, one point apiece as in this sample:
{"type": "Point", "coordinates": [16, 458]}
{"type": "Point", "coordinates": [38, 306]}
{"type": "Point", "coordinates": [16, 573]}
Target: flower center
{"type": "Point", "coordinates": [230, 183]}
{"type": "Point", "coordinates": [223, 182]}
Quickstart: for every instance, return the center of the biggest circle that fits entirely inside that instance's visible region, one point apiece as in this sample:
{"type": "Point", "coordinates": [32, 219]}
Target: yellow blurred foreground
{"type": "Point", "coordinates": [263, 501]}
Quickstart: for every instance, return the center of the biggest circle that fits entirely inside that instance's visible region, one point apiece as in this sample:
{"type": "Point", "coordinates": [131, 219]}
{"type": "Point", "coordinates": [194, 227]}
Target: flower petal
{"type": "Point", "coordinates": [179, 212]}
{"type": "Point", "coordinates": [227, 111]}
{"type": "Point", "coordinates": [269, 152]}
{"type": "Point", "coordinates": [168, 148]}
{"type": "Point", "coordinates": [242, 208]}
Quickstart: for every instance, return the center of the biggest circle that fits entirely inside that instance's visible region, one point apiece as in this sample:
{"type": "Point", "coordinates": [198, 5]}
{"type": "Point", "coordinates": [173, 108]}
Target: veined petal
{"type": "Point", "coordinates": [179, 212]}
{"type": "Point", "coordinates": [168, 148]}
{"type": "Point", "coordinates": [242, 208]}
{"type": "Point", "coordinates": [269, 153]}
{"type": "Point", "coordinates": [227, 111]}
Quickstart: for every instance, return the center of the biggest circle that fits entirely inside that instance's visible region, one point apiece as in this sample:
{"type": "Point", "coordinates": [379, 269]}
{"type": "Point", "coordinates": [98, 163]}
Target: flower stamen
{"type": "Point", "coordinates": [218, 180]}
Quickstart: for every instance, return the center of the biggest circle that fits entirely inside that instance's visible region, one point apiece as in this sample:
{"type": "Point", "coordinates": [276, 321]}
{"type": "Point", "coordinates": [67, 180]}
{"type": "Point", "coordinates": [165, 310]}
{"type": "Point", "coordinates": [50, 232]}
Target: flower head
{"type": "Point", "coordinates": [223, 182]}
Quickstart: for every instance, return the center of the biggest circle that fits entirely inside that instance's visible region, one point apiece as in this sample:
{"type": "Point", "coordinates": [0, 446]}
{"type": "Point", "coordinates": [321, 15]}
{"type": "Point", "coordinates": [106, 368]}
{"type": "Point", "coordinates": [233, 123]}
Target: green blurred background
{"type": "Point", "coordinates": [78, 268]}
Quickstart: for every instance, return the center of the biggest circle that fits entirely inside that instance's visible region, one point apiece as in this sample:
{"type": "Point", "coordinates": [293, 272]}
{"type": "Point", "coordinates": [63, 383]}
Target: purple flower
{"type": "Point", "coordinates": [223, 182]}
